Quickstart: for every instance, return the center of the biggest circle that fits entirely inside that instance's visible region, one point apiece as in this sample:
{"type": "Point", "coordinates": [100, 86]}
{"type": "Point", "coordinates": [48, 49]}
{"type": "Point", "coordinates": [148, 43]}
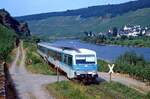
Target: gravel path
{"type": "Point", "coordinates": [139, 86]}
{"type": "Point", "coordinates": [30, 86]}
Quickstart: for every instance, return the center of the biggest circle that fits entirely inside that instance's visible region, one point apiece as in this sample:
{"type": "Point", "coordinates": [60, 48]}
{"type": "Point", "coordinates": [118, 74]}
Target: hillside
{"type": "Point", "coordinates": [10, 29]}
{"type": "Point", "coordinates": [7, 38]}
{"type": "Point", "coordinates": [94, 11]}
{"type": "Point", "coordinates": [76, 25]}
{"type": "Point", "coordinates": [140, 17]}
{"type": "Point", "coordinates": [21, 28]}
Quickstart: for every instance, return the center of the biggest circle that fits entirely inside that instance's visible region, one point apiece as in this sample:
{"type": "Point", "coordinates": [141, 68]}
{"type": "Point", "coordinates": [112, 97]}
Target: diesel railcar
{"type": "Point", "coordinates": [77, 63]}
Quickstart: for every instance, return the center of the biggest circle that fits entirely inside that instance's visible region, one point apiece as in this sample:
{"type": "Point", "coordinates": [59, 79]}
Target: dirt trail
{"type": "Point", "coordinates": [29, 86]}
{"type": "Point", "coordinates": [135, 84]}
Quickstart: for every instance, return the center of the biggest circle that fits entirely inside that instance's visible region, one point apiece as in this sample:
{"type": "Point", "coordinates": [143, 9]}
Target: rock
{"type": "Point", "coordinates": [21, 28]}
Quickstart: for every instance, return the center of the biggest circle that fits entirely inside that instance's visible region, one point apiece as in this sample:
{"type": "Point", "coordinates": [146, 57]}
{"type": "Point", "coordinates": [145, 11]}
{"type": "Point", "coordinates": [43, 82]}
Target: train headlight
{"type": "Point", "coordinates": [92, 72]}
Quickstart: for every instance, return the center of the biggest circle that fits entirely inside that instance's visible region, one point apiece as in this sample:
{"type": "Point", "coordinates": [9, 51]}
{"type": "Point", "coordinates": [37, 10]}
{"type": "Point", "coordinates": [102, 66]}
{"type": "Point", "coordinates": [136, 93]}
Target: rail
{"type": "Point", "coordinates": [2, 83]}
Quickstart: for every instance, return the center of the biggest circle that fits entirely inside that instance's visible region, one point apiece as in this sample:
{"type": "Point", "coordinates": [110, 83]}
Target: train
{"type": "Point", "coordinates": [77, 63]}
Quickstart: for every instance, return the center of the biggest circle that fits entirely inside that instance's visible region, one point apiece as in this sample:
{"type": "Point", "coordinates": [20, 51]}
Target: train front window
{"type": "Point", "coordinates": [85, 59]}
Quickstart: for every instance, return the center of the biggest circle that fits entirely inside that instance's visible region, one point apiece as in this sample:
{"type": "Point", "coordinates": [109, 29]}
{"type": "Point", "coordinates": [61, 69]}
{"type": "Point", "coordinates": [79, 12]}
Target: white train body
{"type": "Point", "coordinates": [76, 63]}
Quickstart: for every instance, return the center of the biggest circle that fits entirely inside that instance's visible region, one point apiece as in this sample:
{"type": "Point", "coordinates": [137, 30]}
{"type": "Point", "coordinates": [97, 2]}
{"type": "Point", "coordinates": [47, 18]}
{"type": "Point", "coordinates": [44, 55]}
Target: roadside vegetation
{"type": "Point", "coordinates": [34, 61]}
{"type": "Point", "coordinates": [102, 66]}
{"type": "Point", "coordinates": [7, 38]}
{"type": "Point", "coordinates": [129, 63]}
{"type": "Point", "coordinates": [105, 90]}
{"type": "Point", "coordinates": [134, 65]}
{"type": "Point", "coordinates": [142, 41]}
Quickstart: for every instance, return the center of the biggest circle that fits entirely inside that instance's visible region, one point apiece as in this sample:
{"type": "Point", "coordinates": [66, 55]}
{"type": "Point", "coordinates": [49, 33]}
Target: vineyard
{"type": "Point", "coordinates": [134, 65]}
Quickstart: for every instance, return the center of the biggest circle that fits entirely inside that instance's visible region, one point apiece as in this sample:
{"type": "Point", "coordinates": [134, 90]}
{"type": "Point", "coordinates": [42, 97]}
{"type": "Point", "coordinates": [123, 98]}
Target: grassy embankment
{"type": "Point", "coordinates": [105, 90]}
{"type": "Point", "coordinates": [34, 61]}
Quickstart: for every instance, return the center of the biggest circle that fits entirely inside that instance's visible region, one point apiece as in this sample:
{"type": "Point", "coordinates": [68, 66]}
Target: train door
{"type": "Point", "coordinates": [68, 65]}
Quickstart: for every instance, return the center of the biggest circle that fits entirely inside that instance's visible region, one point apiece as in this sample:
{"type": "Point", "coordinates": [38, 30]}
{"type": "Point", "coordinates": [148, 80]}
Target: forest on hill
{"type": "Point", "coordinates": [110, 10]}
{"type": "Point", "coordinates": [73, 26]}
{"type": "Point", "coordinates": [73, 23]}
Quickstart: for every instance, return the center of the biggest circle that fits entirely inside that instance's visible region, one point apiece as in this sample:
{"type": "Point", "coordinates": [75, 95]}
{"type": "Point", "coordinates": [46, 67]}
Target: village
{"type": "Point", "coordinates": [126, 30]}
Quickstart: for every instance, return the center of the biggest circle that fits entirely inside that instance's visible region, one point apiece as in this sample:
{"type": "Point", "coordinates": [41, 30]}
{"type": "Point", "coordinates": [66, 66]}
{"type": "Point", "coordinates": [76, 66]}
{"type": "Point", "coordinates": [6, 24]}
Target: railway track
{"type": "Point", "coordinates": [2, 82]}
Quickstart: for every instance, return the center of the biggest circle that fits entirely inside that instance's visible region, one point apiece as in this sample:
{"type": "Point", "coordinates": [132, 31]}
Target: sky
{"type": "Point", "coordinates": [28, 7]}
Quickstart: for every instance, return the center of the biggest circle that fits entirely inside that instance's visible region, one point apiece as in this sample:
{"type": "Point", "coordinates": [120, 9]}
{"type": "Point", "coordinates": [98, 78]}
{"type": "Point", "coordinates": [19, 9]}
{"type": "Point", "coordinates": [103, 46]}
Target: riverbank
{"type": "Point", "coordinates": [118, 45]}
{"type": "Point", "coordinates": [143, 42]}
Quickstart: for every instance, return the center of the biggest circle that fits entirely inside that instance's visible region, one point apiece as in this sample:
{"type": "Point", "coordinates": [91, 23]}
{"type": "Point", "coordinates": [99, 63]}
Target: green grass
{"type": "Point", "coordinates": [105, 90]}
{"type": "Point", "coordinates": [7, 38]}
{"type": "Point", "coordinates": [61, 26]}
{"type": "Point", "coordinates": [34, 61]}
{"type": "Point", "coordinates": [102, 66]}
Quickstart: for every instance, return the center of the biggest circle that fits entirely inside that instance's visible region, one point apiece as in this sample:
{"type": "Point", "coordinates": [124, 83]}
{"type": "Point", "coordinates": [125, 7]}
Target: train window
{"type": "Point", "coordinates": [65, 59]}
{"type": "Point", "coordinates": [41, 48]}
{"type": "Point", "coordinates": [55, 55]}
{"type": "Point", "coordinates": [49, 53]}
{"type": "Point", "coordinates": [85, 59]}
{"type": "Point", "coordinates": [70, 60]}
{"type": "Point", "coordinates": [58, 56]}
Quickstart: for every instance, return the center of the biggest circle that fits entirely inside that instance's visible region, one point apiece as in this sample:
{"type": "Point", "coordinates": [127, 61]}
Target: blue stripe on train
{"type": "Point", "coordinates": [85, 67]}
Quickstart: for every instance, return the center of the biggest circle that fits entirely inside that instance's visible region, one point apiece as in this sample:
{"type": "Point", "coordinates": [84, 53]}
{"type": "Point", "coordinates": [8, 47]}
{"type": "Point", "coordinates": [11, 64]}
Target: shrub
{"type": "Point", "coordinates": [133, 65]}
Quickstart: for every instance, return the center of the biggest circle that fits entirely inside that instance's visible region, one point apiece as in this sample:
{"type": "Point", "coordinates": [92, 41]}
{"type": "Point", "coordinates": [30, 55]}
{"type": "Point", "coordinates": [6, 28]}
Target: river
{"type": "Point", "coordinates": [105, 52]}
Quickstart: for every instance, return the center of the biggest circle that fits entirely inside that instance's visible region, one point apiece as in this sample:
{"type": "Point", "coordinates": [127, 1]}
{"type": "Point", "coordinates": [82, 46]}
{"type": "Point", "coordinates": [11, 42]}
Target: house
{"type": "Point", "coordinates": [147, 32]}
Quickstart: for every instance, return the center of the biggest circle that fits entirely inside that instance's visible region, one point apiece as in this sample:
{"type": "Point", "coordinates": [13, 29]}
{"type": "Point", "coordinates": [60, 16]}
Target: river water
{"type": "Point", "coordinates": [105, 52]}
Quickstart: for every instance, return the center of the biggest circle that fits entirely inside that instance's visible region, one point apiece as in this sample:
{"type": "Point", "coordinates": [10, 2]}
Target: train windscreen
{"type": "Point", "coordinates": [85, 59]}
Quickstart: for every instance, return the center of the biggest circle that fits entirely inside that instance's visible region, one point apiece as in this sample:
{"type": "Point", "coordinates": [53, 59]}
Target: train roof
{"type": "Point", "coordinates": [67, 49]}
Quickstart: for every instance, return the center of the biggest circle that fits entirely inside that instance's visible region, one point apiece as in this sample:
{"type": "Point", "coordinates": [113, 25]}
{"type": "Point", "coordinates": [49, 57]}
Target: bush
{"type": "Point", "coordinates": [148, 95]}
{"type": "Point", "coordinates": [34, 61]}
{"type": "Point", "coordinates": [7, 39]}
{"type": "Point", "coordinates": [133, 65]}
{"type": "Point", "coordinates": [102, 66]}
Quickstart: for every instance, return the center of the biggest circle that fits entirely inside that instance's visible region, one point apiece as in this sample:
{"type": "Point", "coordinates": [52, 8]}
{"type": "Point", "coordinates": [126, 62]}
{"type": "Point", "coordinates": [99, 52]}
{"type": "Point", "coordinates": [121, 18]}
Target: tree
{"type": "Point", "coordinates": [115, 31]}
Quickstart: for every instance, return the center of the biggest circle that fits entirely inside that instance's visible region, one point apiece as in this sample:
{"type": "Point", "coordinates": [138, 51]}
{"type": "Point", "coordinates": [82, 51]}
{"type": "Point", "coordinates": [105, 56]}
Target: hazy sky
{"type": "Point", "coordinates": [27, 7]}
